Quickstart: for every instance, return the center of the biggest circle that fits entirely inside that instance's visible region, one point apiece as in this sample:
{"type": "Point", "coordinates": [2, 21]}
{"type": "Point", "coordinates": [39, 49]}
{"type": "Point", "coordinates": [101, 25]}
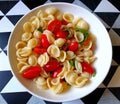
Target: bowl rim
{"type": "Point", "coordinates": [49, 4]}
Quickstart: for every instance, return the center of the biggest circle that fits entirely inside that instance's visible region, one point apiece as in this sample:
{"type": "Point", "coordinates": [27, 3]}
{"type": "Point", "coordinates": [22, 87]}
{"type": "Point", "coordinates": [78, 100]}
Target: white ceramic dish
{"type": "Point", "coordinates": [103, 53]}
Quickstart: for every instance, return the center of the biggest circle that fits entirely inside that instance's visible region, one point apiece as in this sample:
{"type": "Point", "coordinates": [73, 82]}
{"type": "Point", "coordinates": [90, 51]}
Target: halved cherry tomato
{"type": "Point", "coordinates": [73, 46]}
{"type": "Point", "coordinates": [56, 72]}
{"type": "Point", "coordinates": [51, 66]}
{"type": "Point", "coordinates": [87, 67]}
{"type": "Point", "coordinates": [32, 72]}
{"type": "Point", "coordinates": [61, 34]}
{"type": "Point", "coordinates": [64, 22]}
{"type": "Point", "coordinates": [54, 26]}
{"type": "Point", "coordinates": [39, 50]}
{"type": "Point", "coordinates": [44, 41]}
{"type": "Point", "coordinates": [86, 43]}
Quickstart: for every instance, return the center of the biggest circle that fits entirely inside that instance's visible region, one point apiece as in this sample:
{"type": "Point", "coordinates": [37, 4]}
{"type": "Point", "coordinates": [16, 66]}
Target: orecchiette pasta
{"type": "Point", "coordinates": [56, 50]}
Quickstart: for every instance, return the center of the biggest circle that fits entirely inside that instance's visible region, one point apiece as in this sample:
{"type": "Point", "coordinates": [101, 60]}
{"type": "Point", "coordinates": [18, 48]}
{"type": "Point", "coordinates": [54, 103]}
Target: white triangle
{"type": "Point", "coordinates": [6, 25]}
{"type": "Point", "coordinates": [102, 86]}
{"type": "Point", "coordinates": [19, 9]}
{"type": "Point", "coordinates": [4, 63]}
{"type": "Point", "coordinates": [79, 3]}
{"type": "Point", "coordinates": [2, 100]}
{"type": "Point", "coordinates": [105, 6]}
{"type": "Point", "coordinates": [115, 38]}
{"type": "Point", "coordinates": [117, 23]}
{"type": "Point", "coordinates": [108, 98]}
{"type": "Point", "coordinates": [6, 48]}
{"type": "Point", "coordinates": [1, 14]}
{"type": "Point", "coordinates": [115, 81]}
{"type": "Point", "coordinates": [78, 101]}
{"type": "Point", "coordinates": [13, 86]}
{"type": "Point", "coordinates": [0, 49]}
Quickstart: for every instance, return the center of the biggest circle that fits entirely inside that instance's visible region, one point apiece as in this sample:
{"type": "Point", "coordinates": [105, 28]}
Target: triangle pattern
{"type": "Point", "coordinates": [1, 17]}
{"type": "Point", "coordinates": [47, 102]}
{"type": "Point", "coordinates": [102, 86]}
{"type": "Point", "coordinates": [79, 3]}
{"type": "Point", "coordinates": [5, 6]}
{"type": "Point", "coordinates": [110, 75]}
{"type": "Point", "coordinates": [117, 23]}
{"type": "Point", "coordinates": [35, 100]}
{"type": "Point", "coordinates": [109, 18]}
{"type": "Point", "coordinates": [102, 7]}
{"type": "Point", "coordinates": [117, 31]}
{"type": "Point", "coordinates": [4, 39]}
{"type": "Point", "coordinates": [116, 3]}
{"type": "Point", "coordinates": [1, 14]}
{"type": "Point", "coordinates": [10, 87]}
{"type": "Point", "coordinates": [14, 19]}
{"type": "Point", "coordinates": [108, 95]}
{"type": "Point", "coordinates": [92, 4]}
{"type": "Point", "coordinates": [113, 62]}
{"type": "Point", "coordinates": [6, 25]}
{"type": "Point", "coordinates": [19, 9]}
{"type": "Point", "coordinates": [32, 4]}
{"type": "Point", "coordinates": [4, 58]}
{"type": "Point", "coordinates": [116, 92]}
{"type": "Point", "coordinates": [69, 1]}
{"type": "Point", "coordinates": [98, 92]}
{"type": "Point", "coordinates": [115, 81]}
{"type": "Point", "coordinates": [2, 101]}
{"type": "Point", "coordinates": [115, 38]}
{"type": "Point", "coordinates": [16, 98]}
{"type": "Point", "coordinates": [74, 102]}
{"type": "Point", "coordinates": [116, 55]}
{"type": "Point", "coordinates": [5, 76]}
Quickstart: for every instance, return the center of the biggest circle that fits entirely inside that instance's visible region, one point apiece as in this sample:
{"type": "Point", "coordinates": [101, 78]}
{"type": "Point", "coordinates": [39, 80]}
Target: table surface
{"type": "Point", "coordinates": [109, 13]}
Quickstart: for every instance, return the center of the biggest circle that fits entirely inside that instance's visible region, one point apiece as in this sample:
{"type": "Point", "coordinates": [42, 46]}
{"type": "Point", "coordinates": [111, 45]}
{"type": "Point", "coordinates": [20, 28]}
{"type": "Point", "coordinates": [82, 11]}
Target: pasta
{"type": "Point", "coordinates": [56, 50]}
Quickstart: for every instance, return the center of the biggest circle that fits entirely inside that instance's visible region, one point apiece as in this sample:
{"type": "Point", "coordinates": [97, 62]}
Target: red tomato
{"type": "Point", "coordinates": [87, 67]}
{"type": "Point", "coordinates": [44, 41]}
{"type": "Point", "coordinates": [64, 22]}
{"type": "Point", "coordinates": [61, 34]}
{"type": "Point", "coordinates": [51, 66]}
{"type": "Point", "coordinates": [39, 50]}
{"type": "Point", "coordinates": [32, 72]}
{"type": "Point", "coordinates": [73, 46]}
{"type": "Point", "coordinates": [56, 72]}
{"type": "Point", "coordinates": [86, 43]}
{"type": "Point", "coordinates": [54, 26]}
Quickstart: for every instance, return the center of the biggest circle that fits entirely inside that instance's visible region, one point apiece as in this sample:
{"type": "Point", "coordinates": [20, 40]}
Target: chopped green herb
{"type": "Point", "coordinates": [94, 74]}
{"type": "Point", "coordinates": [69, 36]}
{"type": "Point", "coordinates": [40, 29]}
{"type": "Point", "coordinates": [72, 62]}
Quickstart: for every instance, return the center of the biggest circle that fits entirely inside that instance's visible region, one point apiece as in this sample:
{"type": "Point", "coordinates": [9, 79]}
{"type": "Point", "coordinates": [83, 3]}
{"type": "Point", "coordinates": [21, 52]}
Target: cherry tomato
{"type": "Point", "coordinates": [56, 72]}
{"type": "Point", "coordinates": [61, 34]}
{"type": "Point", "coordinates": [87, 67]}
{"type": "Point", "coordinates": [64, 22]}
{"type": "Point", "coordinates": [54, 26]}
{"type": "Point", "coordinates": [86, 43]}
{"type": "Point", "coordinates": [51, 66]}
{"type": "Point", "coordinates": [73, 46]}
{"type": "Point", "coordinates": [44, 41]}
{"type": "Point", "coordinates": [39, 50]}
{"type": "Point", "coordinates": [32, 72]}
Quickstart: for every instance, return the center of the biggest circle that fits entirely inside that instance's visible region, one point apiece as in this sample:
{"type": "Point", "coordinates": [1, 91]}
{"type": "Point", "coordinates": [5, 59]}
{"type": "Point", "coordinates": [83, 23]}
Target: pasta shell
{"type": "Point", "coordinates": [32, 42]}
{"type": "Point", "coordinates": [83, 24]}
{"type": "Point", "coordinates": [20, 44]}
{"type": "Point", "coordinates": [32, 60]}
{"type": "Point", "coordinates": [37, 34]}
{"type": "Point", "coordinates": [51, 10]}
{"type": "Point", "coordinates": [78, 66]}
{"type": "Point", "coordinates": [28, 27]}
{"type": "Point", "coordinates": [60, 42]}
{"type": "Point", "coordinates": [81, 81]}
{"type": "Point", "coordinates": [70, 55]}
{"type": "Point", "coordinates": [68, 17]}
{"type": "Point", "coordinates": [54, 51]}
{"type": "Point", "coordinates": [62, 56]}
{"type": "Point", "coordinates": [58, 88]}
{"type": "Point", "coordinates": [26, 36]}
{"type": "Point", "coordinates": [26, 51]}
{"type": "Point", "coordinates": [59, 15]}
{"type": "Point", "coordinates": [25, 67]}
{"type": "Point", "coordinates": [79, 36]}
{"type": "Point", "coordinates": [85, 75]}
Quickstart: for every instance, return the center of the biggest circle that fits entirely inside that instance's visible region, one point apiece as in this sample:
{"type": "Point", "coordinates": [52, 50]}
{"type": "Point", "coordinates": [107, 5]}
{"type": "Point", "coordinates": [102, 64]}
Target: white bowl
{"type": "Point", "coordinates": [103, 53]}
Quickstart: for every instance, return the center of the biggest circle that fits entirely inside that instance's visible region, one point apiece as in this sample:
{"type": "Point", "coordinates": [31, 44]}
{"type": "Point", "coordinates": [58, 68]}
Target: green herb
{"type": "Point", "coordinates": [94, 74]}
{"type": "Point", "coordinates": [40, 29]}
{"type": "Point", "coordinates": [85, 33]}
{"type": "Point", "coordinates": [69, 36]}
{"type": "Point", "coordinates": [72, 62]}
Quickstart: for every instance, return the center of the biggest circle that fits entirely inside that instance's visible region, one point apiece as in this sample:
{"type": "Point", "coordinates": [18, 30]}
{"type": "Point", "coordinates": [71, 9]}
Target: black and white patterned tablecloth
{"type": "Point", "coordinates": [11, 92]}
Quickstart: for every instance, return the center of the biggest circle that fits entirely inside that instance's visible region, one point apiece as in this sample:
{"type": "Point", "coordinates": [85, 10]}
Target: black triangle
{"type": "Point", "coordinates": [1, 17]}
{"type": "Point", "coordinates": [92, 4]}
{"type": "Point", "coordinates": [108, 29]}
{"type": "Point", "coordinates": [14, 19]}
{"type": "Point", "coordinates": [115, 91]}
{"type": "Point", "coordinates": [4, 39]}
{"type": "Point", "coordinates": [116, 55]}
{"type": "Point", "coordinates": [117, 30]}
{"type": "Point", "coordinates": [47, 102]}
{"type": "Point", "coordinates": [16, 98]}
{"type": "Point", "coordinates": [110, 75]}
{"type": "Point", "coordinates": [33, 3]}
{"type": "Point", "coordinates": [5, 6]}
{"type": "Point", "coordinates": [68, 1]}
{"type": "Point", "coordinates": [109, 18]}
{"type": "Point", "coordinates": [116, 3]}
{"type": "Point", "coordinates": [5, 76]}
{"type": "Point", "coordinates": [94, 97]}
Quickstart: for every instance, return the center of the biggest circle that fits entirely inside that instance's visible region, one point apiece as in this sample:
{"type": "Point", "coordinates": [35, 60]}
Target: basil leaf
{"type": "Point", "coordinates": [94, 74]}
{"type": "Point", "coordinates": [72, 62]}
{"type": "Point", "coordinates": [40, 29]}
